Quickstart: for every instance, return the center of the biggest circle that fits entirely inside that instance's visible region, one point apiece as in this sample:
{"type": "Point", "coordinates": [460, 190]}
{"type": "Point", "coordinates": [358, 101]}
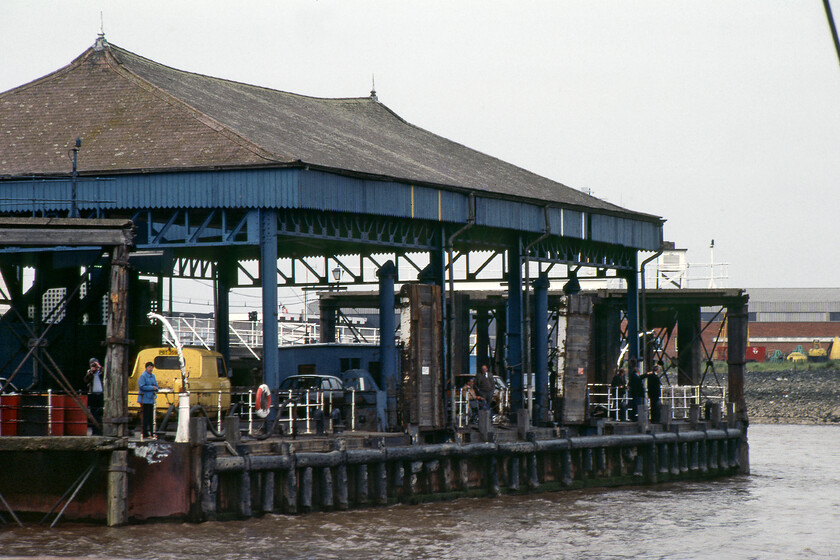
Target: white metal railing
{"type": "Point", "coordinates": [679, 397]}
{"type": "Point", "coordinates": [200, 331]}
{"type": "Point", "coordinates": [462, 406]}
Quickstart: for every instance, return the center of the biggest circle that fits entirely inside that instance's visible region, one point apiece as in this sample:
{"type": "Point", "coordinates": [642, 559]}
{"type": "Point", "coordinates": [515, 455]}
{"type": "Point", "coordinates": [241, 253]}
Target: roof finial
{"type": "Point", "coordinates": [373, 88]}
{"type": "Point", "coordinates": [100, 43]}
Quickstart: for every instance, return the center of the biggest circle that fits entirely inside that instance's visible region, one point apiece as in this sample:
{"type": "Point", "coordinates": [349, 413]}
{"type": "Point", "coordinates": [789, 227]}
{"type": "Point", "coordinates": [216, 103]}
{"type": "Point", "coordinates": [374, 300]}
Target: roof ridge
{"type": "Point", "coordinates": [117, 66]}
{"type": "Point", "coordinates": [121, 50]}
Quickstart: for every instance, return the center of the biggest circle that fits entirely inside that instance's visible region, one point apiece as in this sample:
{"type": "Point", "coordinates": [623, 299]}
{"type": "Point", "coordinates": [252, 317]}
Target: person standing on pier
{"type": "Point", "coordinates": [654, 390]}
{"type": "Point", "coordinates": [95, 380]}
{"type": "Point", "coordinates": [485, 387]}
{"type": "Point", "coordinates": [147, 396]}
{"type": "Point", "coordinates": [637, 391]}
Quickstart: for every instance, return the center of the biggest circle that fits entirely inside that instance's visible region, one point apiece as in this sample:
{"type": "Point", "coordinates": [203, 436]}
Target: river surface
{"type": "Point", "coordinates": [789, 507]}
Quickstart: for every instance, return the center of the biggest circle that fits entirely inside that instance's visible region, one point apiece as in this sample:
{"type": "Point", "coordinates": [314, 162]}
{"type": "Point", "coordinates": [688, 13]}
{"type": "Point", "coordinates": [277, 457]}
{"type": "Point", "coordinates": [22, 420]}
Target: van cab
{"type": "Point", "coordinates": [207, 378]}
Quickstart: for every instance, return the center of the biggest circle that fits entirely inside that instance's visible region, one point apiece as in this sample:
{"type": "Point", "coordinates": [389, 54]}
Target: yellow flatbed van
{"type": "Point", "coordinates": [206, 377]}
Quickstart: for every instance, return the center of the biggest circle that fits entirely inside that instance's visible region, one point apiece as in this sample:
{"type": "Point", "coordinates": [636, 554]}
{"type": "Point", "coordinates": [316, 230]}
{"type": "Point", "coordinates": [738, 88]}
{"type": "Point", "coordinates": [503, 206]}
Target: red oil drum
{"type": "Point", "coordinates": [9, 413]}
{"type": "Point", "coordinates": [55, 410]}
{"type": "Point", "coordinates": [75, 419]}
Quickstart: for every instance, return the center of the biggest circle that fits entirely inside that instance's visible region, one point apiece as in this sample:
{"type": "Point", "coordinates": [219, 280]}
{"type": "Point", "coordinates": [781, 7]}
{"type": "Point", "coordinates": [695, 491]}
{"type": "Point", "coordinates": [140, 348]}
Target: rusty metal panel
{"type": "Point", "coordinates": [576, 369]}
{"type": "Point", "coordinates": [421, 402]}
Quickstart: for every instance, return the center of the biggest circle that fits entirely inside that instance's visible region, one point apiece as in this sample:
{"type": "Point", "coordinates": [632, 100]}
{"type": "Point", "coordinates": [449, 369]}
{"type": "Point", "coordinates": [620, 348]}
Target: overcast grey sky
{"type": "Point", "coordinates": [721, 116]}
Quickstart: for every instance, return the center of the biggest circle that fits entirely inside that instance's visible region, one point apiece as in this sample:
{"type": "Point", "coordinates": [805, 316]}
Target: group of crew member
{"type": "Point", "coordinates": [479, 391]}
{"type": "Point", "coordinates": [630, 393]}
{"type": "Point", "coordinates": [148, 388]}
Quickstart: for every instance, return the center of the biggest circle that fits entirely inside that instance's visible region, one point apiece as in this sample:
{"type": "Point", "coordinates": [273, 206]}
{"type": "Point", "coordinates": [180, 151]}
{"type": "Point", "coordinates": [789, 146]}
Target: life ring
{"type": "Point", "coordinates": [263, 402]}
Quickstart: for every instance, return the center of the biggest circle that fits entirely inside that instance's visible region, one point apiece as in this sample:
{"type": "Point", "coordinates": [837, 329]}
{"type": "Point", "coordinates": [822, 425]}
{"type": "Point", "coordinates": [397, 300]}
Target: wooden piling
{"type": "Point", "coordinates": [306, 490]}
{"type": "Point", "coordinates": [566, 479]}
{"type": "Point", "coordinates": [267, 488]}
{"type": "Point", "coordinates": [327, 499]}
{"type": "Point", "coordinates": [513, 473]}
{"type": "Point", "coordinates": [493, 476]}
{"type": "Point", "coordinates": [381, 483]}
{"type": "Point", "coordinates": [116, 386]}
{"type": "Point", "coordinates": [362, 496]}
{"type": "Point", "coordinates": [341, 490]}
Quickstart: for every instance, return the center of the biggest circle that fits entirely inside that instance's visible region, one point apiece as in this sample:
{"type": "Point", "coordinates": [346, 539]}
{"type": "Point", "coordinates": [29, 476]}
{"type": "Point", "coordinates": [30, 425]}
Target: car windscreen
{"type": "Point", "coordinates": [295, 383]}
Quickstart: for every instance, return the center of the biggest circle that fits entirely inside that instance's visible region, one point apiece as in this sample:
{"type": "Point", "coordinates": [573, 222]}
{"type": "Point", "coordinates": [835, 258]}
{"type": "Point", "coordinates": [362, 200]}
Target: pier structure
{"type": "Point", "coordinates": [250, 187]}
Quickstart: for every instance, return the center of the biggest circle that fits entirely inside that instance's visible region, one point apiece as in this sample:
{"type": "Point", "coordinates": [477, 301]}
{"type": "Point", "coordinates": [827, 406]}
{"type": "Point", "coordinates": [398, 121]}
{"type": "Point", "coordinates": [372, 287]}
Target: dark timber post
{"type": "Point", "coordinates": [689, 352]}
{"type": "Point", "coordinates": [387, 350]}
{"type": "Point", "coordinates": [633, 310]}
{"type": "Point", "coordinates": [541, 349]}
{"type": "Point", "coordinates": [116, 386]}
{"type": "Point", "coordinates": [736, 332]}
{"type": "Point", "coordinates": [500, 355]}
{"type": "Point", "coordinates": [482, 338]}
{"type": "Point", "coordinates": [268, 275]}
{"type": "Point", "coordinates": [514, 327]}
{"type": "Point", "coordinates": [329, 316]}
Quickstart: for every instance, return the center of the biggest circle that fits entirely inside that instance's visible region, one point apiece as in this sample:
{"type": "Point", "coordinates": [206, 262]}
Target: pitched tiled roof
{"type": "Point", "coordinates": [135, 114]}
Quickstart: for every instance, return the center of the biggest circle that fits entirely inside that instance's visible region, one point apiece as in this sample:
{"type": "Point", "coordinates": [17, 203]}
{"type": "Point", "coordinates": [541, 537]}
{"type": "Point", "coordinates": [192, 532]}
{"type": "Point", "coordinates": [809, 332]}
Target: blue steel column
{"type": "Point", "coordinates": [437, 263]}
{"type": "Point", "coordinates": [268, 275]}
{"type": "Point", "coordinates": [387, 349]}
{"type": "Point", "coordinates": [541, 349]}
{"type": "Point", "coordinates": [222, 311]}
{"type": "Point", "coordinates": [514, 328]}
{"type": "Point", "coordinates": [633, 310]}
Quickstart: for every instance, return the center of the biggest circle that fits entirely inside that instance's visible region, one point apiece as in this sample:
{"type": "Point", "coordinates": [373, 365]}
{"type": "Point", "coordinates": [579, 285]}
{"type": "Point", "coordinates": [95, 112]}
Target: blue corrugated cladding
{"type": "Point", "coordinates": [494, 212]}
{"type": "Point", "coordinates": [572, 224]}
{"type": "Point", "coordinates": [326, 191]}
{"type": "Point", "coordinates": [622, 231]}
{"type": "Point", "coordinates": [205, 189]}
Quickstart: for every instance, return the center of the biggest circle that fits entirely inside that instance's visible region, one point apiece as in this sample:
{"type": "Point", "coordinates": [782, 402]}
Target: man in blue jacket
{"type": "Point", "coordinates": [147, 396]}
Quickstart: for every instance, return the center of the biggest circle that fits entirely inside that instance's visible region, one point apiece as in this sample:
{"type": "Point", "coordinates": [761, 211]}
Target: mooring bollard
{"type": "Point", "coordinates": [694, 415]}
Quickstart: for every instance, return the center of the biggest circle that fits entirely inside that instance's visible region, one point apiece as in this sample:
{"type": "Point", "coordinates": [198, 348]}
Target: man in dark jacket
{"type": "Point", "coordinates": [485, 387]}
{"type": "Point", "coordinates": [654, 390]}
{"type": "Point", "coordinates": [95, 380]}
{"type": "Point", "coordinates": [637, 391]}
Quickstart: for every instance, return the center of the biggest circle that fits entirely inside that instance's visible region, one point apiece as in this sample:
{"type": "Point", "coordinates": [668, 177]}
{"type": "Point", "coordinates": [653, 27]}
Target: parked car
{"type": "Point", "coordinates": [299, 385]}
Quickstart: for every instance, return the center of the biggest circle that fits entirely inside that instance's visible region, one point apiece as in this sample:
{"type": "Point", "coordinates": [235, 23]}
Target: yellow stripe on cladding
{"type": "Point", "coordinates": [439, 213]}
{"type": "Point", "coordinates": [412, 201]}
